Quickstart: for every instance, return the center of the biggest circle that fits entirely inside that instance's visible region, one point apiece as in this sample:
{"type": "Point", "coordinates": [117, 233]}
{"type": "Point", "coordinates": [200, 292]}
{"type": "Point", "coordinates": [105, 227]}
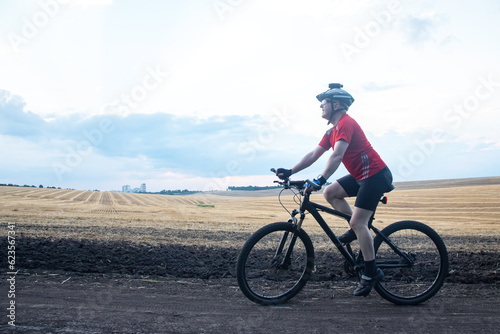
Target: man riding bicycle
{"type": "Point", "coordinates": [368, 178]}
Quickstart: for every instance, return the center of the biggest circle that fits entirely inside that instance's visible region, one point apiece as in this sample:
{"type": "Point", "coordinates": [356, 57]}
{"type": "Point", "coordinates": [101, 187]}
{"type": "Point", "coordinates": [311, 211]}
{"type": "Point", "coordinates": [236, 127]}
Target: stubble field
{"type": "Point", "coordinates": [196, 238]}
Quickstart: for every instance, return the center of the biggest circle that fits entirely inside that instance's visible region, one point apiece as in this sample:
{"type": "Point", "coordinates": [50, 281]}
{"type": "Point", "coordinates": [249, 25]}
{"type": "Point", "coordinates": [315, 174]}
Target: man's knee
{"type": "Point", "coordinates": [360, 219]}
{"type": "Point", "coordinates": [334, 192]}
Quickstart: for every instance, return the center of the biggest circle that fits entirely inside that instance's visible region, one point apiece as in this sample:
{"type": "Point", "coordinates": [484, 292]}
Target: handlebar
{"type": "Point", "coordinates": [300, 185]}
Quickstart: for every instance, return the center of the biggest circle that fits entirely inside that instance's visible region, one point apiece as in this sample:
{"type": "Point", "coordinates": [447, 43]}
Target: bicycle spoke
{"type": "Point", "coordinates": [265, 273]}
{"type": "Point", "coordinates": [417, 275]}
{"type": "Point", "coordinates": [271, 277]}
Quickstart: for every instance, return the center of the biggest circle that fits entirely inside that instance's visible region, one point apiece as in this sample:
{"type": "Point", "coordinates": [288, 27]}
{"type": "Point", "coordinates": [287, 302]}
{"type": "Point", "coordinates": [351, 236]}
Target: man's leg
{"type": "Point", "coordinates": [335, 195]}
{"type": "Point", "coordinates": [371, 274]}
{"type": "Point", "coordinates": [359, 224]}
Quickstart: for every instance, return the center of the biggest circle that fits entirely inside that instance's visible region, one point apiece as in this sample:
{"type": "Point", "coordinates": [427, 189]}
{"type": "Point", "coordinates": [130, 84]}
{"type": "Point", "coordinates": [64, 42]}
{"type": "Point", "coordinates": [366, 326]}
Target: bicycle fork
{"type": "Point", "coordinates": [285, 262]}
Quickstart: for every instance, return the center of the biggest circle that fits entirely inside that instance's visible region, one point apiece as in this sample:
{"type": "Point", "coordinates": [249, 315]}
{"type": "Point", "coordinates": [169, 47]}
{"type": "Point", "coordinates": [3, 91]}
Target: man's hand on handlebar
{"type": "Point", "coordinates": [315, 184]}
{"type": "Point", "coordinates": [283, 173]}
{"type": "Point", "coordinates": [308, 186]}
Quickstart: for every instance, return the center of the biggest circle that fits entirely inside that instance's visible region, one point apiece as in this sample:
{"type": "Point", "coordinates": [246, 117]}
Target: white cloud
{"type": "Point", "coordinates": [422, 28]}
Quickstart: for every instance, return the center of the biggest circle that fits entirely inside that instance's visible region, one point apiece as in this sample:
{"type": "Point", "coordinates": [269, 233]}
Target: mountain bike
{"type": "Point", "coordinates": [276, 262]}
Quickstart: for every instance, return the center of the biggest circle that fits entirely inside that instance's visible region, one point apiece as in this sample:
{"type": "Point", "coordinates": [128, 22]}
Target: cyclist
{"type": "Point", "coordinates": [368, 178]}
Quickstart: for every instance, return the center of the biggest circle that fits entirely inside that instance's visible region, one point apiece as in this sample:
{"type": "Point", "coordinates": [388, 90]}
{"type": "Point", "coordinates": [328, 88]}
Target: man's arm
{"type": "Point", "coordinates": [336, 158]}
{"type": "Point", "coordinates": [308, 159]}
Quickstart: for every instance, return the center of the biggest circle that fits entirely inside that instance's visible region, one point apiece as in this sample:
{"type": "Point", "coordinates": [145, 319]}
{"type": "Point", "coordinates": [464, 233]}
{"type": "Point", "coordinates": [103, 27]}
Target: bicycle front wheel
{"type": "Point", "coordinates": [415, 264]}
{"type": "Point", "coordinates": [275, 264]}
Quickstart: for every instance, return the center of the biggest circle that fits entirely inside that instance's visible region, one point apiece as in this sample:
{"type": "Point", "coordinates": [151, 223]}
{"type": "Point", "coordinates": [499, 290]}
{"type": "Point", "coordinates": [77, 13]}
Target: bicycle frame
{"type": "Point", "coordinates": [314, 209]}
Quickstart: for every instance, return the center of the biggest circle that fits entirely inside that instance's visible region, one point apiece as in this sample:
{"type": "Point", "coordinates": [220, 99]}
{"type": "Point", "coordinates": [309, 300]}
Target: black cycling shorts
{"type": "Point", "coordinates": [368, 191]}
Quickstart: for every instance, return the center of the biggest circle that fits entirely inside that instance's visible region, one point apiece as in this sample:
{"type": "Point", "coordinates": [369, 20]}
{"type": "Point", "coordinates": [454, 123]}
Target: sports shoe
{"type": "Point", "coordinates": [348, 237]}
{"type": "Point", "coordinates": [367, 283]}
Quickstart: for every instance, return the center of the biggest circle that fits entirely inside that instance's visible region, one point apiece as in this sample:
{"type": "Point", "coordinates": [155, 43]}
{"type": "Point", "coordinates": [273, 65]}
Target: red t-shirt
{"type": "Point", "coordinates": [360, 159]}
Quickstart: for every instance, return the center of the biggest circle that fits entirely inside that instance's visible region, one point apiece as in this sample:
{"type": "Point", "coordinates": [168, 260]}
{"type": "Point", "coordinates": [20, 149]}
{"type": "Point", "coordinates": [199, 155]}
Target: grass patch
{"type": "Point", "coordinates": [206, 206]}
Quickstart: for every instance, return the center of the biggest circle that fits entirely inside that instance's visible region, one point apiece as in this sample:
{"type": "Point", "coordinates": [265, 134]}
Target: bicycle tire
{"type": "Point", "coordinates": [260, 278]}
{"type": "Point", "coordinates": [414, 284]}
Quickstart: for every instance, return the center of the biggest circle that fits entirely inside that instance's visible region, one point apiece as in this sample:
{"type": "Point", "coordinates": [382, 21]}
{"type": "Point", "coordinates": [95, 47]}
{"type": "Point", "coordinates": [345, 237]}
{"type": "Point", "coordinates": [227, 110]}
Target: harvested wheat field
{"type": "Point", "coordinates": [99, 262]}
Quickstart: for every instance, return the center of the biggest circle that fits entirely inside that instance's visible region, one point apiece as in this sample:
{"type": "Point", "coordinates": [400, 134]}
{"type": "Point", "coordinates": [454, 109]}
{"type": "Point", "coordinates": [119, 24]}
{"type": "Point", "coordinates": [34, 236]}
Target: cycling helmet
{"type": "Point", "coordinates": [336, 93]}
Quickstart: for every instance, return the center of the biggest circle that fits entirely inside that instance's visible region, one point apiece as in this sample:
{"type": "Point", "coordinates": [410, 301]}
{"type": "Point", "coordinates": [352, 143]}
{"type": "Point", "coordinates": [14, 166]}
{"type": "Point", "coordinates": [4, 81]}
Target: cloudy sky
{"type": "Point", "coordinates": [206, 94]}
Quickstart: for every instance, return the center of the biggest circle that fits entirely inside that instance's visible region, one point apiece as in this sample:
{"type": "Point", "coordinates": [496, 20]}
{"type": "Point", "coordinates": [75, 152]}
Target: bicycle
{"type": "Point", "coordinates": [276, 262]}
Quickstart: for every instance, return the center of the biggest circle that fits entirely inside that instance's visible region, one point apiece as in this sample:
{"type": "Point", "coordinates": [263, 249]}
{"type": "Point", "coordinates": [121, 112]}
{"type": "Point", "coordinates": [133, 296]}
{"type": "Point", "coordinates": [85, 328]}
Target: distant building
{"type": "Point", "coordinates": [128, 189]}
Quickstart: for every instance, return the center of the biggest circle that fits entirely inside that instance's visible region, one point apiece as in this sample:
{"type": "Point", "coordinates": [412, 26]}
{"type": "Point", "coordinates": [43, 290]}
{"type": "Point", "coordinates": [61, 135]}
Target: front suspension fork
{"type": "Point", "coordinates": [285, 263]}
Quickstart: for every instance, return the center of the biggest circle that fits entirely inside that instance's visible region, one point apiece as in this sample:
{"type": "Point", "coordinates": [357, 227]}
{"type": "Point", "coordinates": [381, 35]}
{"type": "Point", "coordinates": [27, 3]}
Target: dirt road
{"type": "Point", "coordinates": [69, 303]}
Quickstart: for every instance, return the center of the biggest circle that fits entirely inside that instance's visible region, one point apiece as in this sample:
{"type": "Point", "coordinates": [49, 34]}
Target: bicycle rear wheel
{"type": "Point", "coordinates": [264, 273]}
{"type": "Point", "coordinates": [419, 276]}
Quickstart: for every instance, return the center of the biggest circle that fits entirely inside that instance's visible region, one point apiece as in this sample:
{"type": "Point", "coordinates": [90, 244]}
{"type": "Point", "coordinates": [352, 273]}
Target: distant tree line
{"type": "Point", "coordinates": [253, 188]}
{"type": "Point", "coordinates": [26, 186]}
{"type": "Point", "coordinates": [176, 192]}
